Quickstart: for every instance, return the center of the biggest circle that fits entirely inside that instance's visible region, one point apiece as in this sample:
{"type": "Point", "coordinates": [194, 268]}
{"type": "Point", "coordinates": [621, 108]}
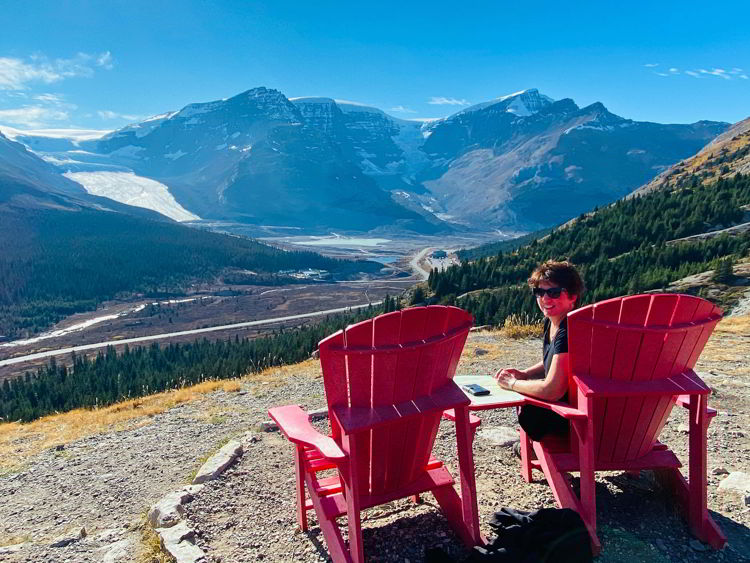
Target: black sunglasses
{"type": "Point", "coordinates": [553, 292]}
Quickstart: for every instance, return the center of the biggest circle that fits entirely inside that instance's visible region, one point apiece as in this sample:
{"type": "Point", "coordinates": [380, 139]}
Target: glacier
{"type": "Point", "coordinates": [130, 189]}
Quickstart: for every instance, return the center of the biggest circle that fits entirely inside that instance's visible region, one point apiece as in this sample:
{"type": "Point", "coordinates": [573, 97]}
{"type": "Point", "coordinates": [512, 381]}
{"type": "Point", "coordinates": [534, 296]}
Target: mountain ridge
{"type": "Point", "coordinates": [329, 163]}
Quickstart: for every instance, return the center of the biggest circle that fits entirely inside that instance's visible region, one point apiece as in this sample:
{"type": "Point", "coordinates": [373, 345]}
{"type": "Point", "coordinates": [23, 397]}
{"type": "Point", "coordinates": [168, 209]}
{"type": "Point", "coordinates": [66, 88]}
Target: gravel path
{"type": "Point", "coordinates": [105, 483]}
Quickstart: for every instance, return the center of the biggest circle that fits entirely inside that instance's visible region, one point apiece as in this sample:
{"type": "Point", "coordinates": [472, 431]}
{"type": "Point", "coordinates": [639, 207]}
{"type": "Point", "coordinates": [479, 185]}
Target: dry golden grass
{"type": "Point", "coordinates": [152, 551]}
{"type": "Point", "coordinates": [20, 441]}
{"type": "Point", "coordinates": [734, 325]}
{"type": "Point", "coordinates": [521, 326]}
{"type": "Point", "coordinates": [275, 376]}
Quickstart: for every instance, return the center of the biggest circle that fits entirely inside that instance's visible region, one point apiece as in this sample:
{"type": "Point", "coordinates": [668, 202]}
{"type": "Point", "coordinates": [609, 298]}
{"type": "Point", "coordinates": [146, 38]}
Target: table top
{"type": "Point", "coordinates": [498, 397]}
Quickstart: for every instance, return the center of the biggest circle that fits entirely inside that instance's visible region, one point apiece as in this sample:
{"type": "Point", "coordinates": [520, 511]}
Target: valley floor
{"type": "Point", "coordinates": [102, 470]}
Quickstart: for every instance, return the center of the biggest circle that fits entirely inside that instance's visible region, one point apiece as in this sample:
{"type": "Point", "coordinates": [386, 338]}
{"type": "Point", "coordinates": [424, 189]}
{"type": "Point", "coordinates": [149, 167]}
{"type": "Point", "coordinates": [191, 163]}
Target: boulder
{"type": "Point", "coordinates": [120, 551]}
{"type": "Point", "coordinates": [503, 436]}
{"type": "Point", "coordinates": [218, 463]}
{"type": "Point", "coordinates": [169, 510]}
{"type": "Point", "coordinates": [177, 540]}
{"type": "Point", "coordinates": [736, 482]}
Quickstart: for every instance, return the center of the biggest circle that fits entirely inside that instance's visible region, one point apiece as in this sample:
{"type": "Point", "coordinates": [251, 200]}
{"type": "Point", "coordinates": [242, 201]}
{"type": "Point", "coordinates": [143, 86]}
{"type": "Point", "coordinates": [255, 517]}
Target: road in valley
{"type": "Point", "coordinates": [163, 336]}
{"type": "Point", "coordinates": [414, 264]}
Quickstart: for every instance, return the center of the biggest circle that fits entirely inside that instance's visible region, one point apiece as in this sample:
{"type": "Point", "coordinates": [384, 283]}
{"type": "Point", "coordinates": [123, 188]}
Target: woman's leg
{"type": "Point", "coordinates": [538, 422]}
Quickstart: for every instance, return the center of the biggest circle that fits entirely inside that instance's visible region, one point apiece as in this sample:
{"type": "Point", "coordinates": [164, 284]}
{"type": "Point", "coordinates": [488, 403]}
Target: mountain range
{"type": "Point", "coordinates": [518, 162]}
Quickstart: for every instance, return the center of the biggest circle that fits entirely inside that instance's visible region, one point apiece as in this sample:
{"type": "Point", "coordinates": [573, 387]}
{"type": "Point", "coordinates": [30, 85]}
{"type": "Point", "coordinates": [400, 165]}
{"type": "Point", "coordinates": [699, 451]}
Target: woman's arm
{"type": "Point", "coordinates": [551, 388]}
{"type": "Point", "coordinates": [535, 371]}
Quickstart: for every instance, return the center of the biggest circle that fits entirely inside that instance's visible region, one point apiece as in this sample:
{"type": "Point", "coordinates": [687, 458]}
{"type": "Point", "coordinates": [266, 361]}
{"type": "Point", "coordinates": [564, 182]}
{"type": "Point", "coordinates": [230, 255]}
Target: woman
{"type": "Point", "coordinates": [557, 287]}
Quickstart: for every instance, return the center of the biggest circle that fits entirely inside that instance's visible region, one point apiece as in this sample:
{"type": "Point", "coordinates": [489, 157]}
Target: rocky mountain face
{"type": "Point", "coordinates": [724, 157]}
{"type": "Point", "coordinates": [519, 162]}
{"type": "Point", "coordinates": [25, 175]}
{"type": "Point", "coordinates": [28, 182]}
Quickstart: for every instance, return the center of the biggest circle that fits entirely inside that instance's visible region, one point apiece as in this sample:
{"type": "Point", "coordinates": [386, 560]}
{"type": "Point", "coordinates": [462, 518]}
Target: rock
{"type": "Point", "coordinates": [16, 547]}
{"type": "Point", "coordinates": [684, 428]}
{"type": "Point", "coordinates": [268, 426]}
{"type": "Point", "coordinates": [119, 551]}
{"type": "Point", "coordinates": [192, 489]}
{"type": "Point", "coordinates": [250, 438]}
{"type": "Point", "coordinates": [698, 546]}
{"type": "Point", "coordinates": [218, 463]}
{"type": "Point", "coordinates": [178, 541]}
{"type": "Point", "coordinates": [736, 482]}
{"type": "Point", "coordinates": [480, 352]}
{"type": "Point", "coordinates": [68, 538]}
{"type": "Point", "coordinates": [169, 510]}
{"type": "Point", "coordinates": [719, 471]}
{"type": "Point", "coordinates": [176, 533]}
{"type": "Point", "coordinates": [503, 436]}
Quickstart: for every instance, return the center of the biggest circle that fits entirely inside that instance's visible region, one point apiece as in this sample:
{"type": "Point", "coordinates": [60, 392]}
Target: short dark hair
{"type": "Point", "coordinates": [563, 274]}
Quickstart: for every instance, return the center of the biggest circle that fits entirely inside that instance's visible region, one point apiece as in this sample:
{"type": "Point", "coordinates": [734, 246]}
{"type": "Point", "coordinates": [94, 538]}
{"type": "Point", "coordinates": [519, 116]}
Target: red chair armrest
{"type": "Point", "coordinates": [686, 383]}
{"type": "Point", "coordinates": [295, 425]}
{"type": "Point", "coordinates": [563, 409]}
{"type": "Point", "coordinates": [358, 419]}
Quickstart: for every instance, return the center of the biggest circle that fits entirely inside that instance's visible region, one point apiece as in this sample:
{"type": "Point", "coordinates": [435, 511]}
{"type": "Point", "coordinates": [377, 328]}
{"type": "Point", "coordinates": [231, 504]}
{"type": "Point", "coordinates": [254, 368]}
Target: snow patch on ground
{"type": "Point", "coordinates": [128, 188]}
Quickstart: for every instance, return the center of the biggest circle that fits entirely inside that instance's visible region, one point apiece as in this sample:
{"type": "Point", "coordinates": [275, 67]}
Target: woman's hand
{"type": "Point", "coordinates": [506, 378]}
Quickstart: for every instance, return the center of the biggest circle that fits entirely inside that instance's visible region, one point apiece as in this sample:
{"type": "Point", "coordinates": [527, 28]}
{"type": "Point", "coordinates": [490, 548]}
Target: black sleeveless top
{"type": "Point", "coordinates": [558, 346]}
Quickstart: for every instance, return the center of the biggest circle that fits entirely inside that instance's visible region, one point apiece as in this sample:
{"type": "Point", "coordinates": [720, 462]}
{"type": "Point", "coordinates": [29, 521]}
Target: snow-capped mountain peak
{"type": "Point", "coordinates": [522, 103]}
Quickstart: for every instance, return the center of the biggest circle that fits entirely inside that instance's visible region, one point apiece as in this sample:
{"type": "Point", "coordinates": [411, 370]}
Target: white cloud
{"type": "Point", "coordinates": [736, 72]}
{"type": "Point", "coordinates": [443, 101]}
{"type": "Point", "coordinates": [651, 65]}
{"type": "Point", "coordinates": [743, 76]}
{"type": "Point", "coordinates": [51, 98]}
{"type": "Point", "coordinates": [33, 116]}
{"type": "Point", "coordinates": [105, 61]}
{"type": "Point", "coordinates": [17, 74]}
{"type": "Point", "coordinates": [402, 109]}
{"type": "Point", "coordinates": [109, 114]}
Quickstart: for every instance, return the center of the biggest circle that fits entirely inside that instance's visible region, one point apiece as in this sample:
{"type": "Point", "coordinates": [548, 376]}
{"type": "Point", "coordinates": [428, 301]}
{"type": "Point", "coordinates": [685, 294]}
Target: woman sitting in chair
{"type": "Point", "coordinates": [557, 287]}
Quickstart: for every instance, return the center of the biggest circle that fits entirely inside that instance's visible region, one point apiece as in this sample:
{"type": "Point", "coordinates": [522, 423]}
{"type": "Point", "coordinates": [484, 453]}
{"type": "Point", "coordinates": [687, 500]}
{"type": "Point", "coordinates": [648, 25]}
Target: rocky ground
{"type": "Point", "coordinates": [105, 483]}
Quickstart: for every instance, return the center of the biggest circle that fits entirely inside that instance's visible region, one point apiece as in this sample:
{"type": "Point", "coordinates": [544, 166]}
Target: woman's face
{"type": "Point", "coordinates": [554, 309]}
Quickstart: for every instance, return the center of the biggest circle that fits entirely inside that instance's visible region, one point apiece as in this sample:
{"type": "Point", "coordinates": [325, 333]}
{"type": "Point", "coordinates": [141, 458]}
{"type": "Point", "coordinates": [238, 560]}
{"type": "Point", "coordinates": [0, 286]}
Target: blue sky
{"type": "Point", "coordinates": [101, 64]}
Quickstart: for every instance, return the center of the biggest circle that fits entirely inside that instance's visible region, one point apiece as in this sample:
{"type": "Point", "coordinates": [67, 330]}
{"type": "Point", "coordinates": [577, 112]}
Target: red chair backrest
{"type": "Point", "coordinates": [388, 360]}
{"type": "Point", "coordinates": [636, 338]}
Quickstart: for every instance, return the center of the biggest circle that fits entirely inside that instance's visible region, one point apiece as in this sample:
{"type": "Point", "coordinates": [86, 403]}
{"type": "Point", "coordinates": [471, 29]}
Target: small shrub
{"type": "Point", "coordinates": [522, 326]}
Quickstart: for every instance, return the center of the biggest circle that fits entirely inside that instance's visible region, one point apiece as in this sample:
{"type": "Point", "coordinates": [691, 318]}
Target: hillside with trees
{"type": "Point", "coordinates": [110, 377]}
{"type": "Point", "coordinates": [628, 247]}
{"type": "Point", "coordinates": [56, 262]}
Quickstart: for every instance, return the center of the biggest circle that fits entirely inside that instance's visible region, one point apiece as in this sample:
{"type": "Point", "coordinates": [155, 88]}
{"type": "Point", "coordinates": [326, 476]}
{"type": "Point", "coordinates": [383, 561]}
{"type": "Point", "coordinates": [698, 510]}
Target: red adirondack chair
{"type": "Point", "coordinates": [631, 359]}
{"type": "Point", "coordinates": [387, 382]}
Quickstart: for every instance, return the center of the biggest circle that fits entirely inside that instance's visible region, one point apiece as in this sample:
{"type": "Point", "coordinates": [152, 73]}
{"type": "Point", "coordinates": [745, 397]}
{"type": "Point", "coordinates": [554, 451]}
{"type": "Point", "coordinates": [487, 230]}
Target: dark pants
{"type": "Point", "coordinates": [538, 422]}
